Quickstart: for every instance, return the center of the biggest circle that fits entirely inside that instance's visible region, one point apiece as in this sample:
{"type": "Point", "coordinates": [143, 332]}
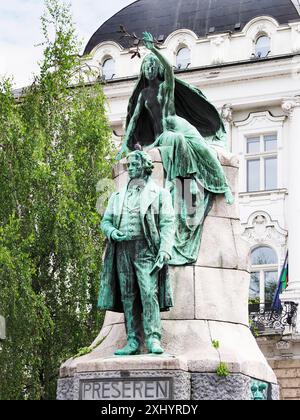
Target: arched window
{"type": "Point", "coordinates": [183, 58]}
{"type": "Point", "coordinates": [264, 275]}
{"type": "Point", "coordinates": [262, 46]}
{"type": "Point", "coordinates": [108, 69]}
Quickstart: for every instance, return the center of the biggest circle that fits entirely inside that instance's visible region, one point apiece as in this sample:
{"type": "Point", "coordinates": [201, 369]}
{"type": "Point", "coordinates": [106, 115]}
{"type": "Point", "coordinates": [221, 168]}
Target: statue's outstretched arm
{"type": "Point", "coordinates": [131, 127]}
{"type": "Point", "coordinates": [169, 73]}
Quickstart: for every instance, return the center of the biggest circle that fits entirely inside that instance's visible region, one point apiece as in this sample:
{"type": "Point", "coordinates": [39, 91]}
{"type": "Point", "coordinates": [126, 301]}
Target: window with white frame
{"type": "Point", "coordinates": [108, 68]}
{"type": "Point", "coordinates": [264, 275]}
{"type": "Point", "coordinates": [183, 58]}
{"type": "Point", "coordinates": [261, 162]}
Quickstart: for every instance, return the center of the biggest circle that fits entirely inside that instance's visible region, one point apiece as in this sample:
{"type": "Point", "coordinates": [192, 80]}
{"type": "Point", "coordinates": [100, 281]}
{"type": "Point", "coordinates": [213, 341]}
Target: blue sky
{"type": "Point", "coordinates": [20, 31]}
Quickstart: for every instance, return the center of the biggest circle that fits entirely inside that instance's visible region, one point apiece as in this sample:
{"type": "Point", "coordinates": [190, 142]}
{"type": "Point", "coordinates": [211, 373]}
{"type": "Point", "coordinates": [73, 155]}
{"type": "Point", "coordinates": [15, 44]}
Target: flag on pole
{"type": "Point", "coordinates": [282, 284]}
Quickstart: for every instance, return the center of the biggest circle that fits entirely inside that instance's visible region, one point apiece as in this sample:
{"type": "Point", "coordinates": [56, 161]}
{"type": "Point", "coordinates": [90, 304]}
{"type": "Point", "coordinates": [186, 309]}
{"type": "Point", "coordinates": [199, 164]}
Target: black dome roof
{"type": "Point", "coordinates": [162, 17]}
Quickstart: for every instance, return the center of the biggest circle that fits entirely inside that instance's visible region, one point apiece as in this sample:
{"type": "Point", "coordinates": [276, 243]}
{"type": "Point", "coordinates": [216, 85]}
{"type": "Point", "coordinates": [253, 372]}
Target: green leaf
{"type": "Point", "coordinates": [222, 370]}
{"type": "Point", "coordinates": [216, 344]}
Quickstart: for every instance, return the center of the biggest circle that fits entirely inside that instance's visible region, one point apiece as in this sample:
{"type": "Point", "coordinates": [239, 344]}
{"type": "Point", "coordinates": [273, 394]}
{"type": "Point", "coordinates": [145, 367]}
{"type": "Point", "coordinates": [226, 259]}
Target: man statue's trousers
{"type": "Point", "coordinates": [139, 289]}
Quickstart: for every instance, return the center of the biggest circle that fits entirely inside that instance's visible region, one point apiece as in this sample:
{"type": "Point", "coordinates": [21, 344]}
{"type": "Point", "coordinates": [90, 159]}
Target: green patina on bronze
{"type": "Point", "coordinates": [139, 225]}
{"type": "Point", "coordinates": [259, 390]}
{"type": "Point", "coordinates": [145, 233]}
{"type": "Point", "coordinates": [175, 117]}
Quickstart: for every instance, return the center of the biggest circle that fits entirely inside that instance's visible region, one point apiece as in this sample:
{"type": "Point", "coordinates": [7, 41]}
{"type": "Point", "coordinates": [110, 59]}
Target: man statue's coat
{"type": "Point", "coordinates": [158, 221]}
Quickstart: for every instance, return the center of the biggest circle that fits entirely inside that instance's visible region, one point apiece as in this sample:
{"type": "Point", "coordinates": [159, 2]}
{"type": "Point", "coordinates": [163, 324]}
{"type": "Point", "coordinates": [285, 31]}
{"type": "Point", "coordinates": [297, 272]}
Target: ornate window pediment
{"type": "Point", "coordinates": [181, 37]}
{"type": "Point", "coordinates": [260, 121]}
{"type": "Point", "coordinates": [261, 230]}
{"type": "Point", "coordinates": [260, 31]}
{"type": "Point", "coordinates": [261, 25]}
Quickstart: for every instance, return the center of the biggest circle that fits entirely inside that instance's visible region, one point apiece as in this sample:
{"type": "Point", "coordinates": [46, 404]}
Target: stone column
{"type": "Point", "coordinates": [291, 107]}
{"type": "Point", "coordinates": [226, 114]}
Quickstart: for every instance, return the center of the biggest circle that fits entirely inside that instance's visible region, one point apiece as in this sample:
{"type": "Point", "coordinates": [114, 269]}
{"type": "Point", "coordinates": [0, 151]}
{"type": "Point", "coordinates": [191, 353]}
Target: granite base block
{"type": "Point", "coordinates": [65, 389]}
{"type": "Point", "coordinates": [126, 385]}
{"type": "Point", "coordinates": [233, 387]}
{"type": "Point", "coordinates": [160, 385]}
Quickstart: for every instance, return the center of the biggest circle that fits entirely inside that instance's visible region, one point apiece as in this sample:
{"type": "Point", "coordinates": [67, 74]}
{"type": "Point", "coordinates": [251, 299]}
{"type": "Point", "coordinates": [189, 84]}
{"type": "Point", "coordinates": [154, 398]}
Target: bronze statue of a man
{"type": "Point", "coordinates": [139, 225]}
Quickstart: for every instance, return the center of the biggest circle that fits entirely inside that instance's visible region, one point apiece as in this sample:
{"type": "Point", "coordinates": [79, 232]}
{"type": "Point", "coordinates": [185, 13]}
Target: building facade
{"type": "Point", "coordinates": [245, 57]}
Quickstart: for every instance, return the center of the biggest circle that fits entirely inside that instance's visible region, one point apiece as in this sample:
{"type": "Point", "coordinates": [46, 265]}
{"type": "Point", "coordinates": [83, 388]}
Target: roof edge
{"type": "Point", "coordinates": [296, 4]}
{"type": "Point", "coordinates": [86, 47]}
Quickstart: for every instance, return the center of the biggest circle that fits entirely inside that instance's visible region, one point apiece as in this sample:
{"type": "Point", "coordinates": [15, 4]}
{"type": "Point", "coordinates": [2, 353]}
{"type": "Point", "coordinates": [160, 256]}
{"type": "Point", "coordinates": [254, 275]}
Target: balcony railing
{"type": "Point", "coordinates": [265, 320]}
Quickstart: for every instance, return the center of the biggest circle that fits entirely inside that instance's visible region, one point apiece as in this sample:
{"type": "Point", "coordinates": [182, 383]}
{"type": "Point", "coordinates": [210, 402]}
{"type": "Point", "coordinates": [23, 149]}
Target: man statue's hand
{"type": "Point", "coordinates": [163, 258]}
{"type": "Point", "coordinates": [118, 236]}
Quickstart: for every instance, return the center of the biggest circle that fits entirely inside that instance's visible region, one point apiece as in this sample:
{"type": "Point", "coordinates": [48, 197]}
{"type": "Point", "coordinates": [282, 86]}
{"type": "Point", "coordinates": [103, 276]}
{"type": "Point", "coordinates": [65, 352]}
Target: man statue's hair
{"type": "Point", "coordinates": [146, 161]}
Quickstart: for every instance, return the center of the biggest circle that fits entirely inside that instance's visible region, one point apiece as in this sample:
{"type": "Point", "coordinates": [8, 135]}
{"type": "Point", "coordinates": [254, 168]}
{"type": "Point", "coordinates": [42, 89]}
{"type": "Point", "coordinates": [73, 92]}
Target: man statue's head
{"type": "Point", "coordinates": [139, 165]}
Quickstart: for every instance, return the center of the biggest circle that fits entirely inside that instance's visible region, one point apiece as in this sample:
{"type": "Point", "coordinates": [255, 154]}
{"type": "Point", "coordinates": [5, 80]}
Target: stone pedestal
{"type": "Point", "coordinates": [205, 331]}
